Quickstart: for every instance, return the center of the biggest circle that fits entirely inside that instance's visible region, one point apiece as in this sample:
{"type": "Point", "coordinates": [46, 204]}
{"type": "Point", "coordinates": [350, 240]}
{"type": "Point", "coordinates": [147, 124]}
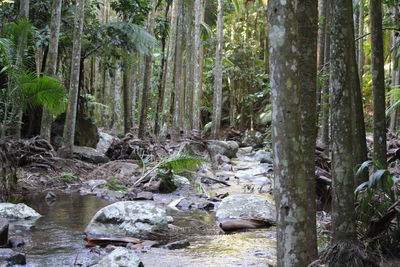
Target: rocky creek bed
{"type": "Point", "coordinates": [56, 238]}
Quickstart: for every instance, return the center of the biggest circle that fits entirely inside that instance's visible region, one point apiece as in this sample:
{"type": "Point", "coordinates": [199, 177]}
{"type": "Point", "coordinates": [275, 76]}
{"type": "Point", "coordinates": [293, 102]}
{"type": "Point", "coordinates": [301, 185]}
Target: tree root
{"type": "Point", "coordinates": [349, 254]}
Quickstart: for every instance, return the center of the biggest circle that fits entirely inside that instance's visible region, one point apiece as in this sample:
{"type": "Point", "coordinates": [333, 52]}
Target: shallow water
{"type": "Point", "coordinates": [57, 238]}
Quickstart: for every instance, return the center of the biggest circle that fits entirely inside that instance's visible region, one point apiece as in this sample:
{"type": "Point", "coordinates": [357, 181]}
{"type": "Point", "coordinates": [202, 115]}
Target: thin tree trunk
{"type": "Point", "coordinates": [321, 48]}
{"type": "Point", "coordinates": [394, 117]}
{"type": "Point", "coordinates": [178, 77]}
{"type": "Point", "coordinates": [70, 120]}
{"type": "Point", "coordinates": [218, 73]}
{"type": "Point", "coordinates": [51, 66]}
{"type": "Point", "coordinates": [360, 56]}
{"type": "Point", "coordinates": [378, 82]}
{"type": "Point", "coordinates": [188, 120]}
{"type": "Point", "coordinates": [326, 94]}
{"type": "Point", "coordinates": [147, 76]}
{"type": "Point", "coordinates": [169, 74]}
{"type": "Point", "coordinates": [126, 92]}
{"type": "Point", "coordinates": [197, 85]}
{"type": "Point", "coordinates": [293, 79]}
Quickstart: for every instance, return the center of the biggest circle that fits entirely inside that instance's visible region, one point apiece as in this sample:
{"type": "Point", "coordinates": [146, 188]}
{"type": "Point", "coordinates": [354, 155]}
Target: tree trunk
{"type": "Point", "coordinates": [70, 120]}
{"type": "Point", "coordinates": [394, 116]}
{"type": "Point", "coordinates": [51, 66]}
{"type": "Point", "coordinates": [378, 82]}
{"type": "Point", "coordinates": [321, 48]}
{"type": "Point", "coordinates": [126, 92]}
{"type": "Point", "coordinates": [217, 110]}
{"type": "Point", "coordinates": [360, 56]}
{"type": "Point", "coordinates": [147, 76]}
{"type": "Point", "coordinates": [197, 84]}
{"type": "Point", "coordinates": [169, 74]}
{"type": "Point", "coordinates": [178, 79]}
{"type": "Point", "coordinates": [293, 81]}
{"type": "Point", "coordinates": [188, 120]}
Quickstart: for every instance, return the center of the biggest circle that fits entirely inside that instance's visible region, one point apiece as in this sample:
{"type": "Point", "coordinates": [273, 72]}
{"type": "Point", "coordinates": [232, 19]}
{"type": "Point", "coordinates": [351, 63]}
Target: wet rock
{"type": "Point", "coordinates": [128, 218]}
{"type": "Point", "coordinates": [50, 196]}
{"type": "Point", "coordinates": [247, 207]}
{"type": "Point", "coordinates": [11, 257]}
{"type": "Point", "coordinates": [104, 143]}
{"type": "Point", "coordinates": [3, 232]}
{"type": "Point", "coordinates": [246, 150]}
{"type": "Point", "coordinates": [17, 211]}
{"type": "Point", "coordinates": [150, 243]}
{"type": "Point", "coordinates": [120, 257]}
{"type": "Point", "coordinates": [180, 181]}
{"type": "Point", "coordinates": [144, 196]}
{"type": "Point", "coordinates": [226, 167]}
{"type": "Point", "coordinates": [252, 138]}
{"type": "Point", "coordinates": [177, 244]}
{"type": "Point", "coordinates": [185, 204]}
{"type": "Point", "coordinates": [226, 148]}
{"type": "Point", "coordinates": [96, 183]}
{"type": "Point", "coordinates": [206, 206]}
{"type": "Point", "coordinates": [89, 154]}
{"type": "Point", "coordinates": [263, 156]}
{"type": "Point", "coordinates": [16, 241]}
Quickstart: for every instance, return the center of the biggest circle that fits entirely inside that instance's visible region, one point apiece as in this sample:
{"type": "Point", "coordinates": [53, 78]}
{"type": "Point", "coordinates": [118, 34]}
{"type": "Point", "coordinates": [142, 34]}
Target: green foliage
{"type": "Point", "coordinates": [115, 185]}
{"type": "Point", "coordinates": [394, 97]}
{"type": "Point", "coordinates": [181, 163]}
{"type": "Point", "coordinates": [67, 178]}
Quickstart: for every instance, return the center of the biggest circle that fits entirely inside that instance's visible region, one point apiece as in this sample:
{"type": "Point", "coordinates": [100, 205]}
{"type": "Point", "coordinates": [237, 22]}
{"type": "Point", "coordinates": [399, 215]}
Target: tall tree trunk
{"type": "Point", "coordinates": [378, 82]}
{"type": "Point", "coordinates": [178, 77]}
{"type": "Point", "coordinates": [126, 92]}
{"type": "Point", "coordinates": [188, 120]}
{"type": "Point", "coordinates": [394, 116]}
{"type": "Point", "coordinates": [197, 56]}
{"type": "Point", "coordinates": [326, 94]}
{"type": "Point", "coordinates": [21, 46]}
{"type": "Point", "coordinates": [360, 56]}
{"type": "Point", "coordinates": [147, 75]}
{"type": "Point", "coordinates": [321, 48]}
{"type": "Point", "coordinates": [217, 109]}
{"type": "Point", "coordinates": [342, 64]}
{"type": "Point", "coordinates": [70, 120]}
{"type": "Point", "coordinates": [293, 79]}
{"type": "Point", "coordinates": [169, 74]}
{"type": "Point", "coordinates": [51, 66]}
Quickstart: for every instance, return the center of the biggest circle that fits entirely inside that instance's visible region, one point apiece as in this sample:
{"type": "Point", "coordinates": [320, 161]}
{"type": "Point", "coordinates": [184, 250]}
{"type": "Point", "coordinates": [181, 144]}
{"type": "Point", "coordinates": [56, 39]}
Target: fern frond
{"type": "Point", "coordinates": [180, 163]}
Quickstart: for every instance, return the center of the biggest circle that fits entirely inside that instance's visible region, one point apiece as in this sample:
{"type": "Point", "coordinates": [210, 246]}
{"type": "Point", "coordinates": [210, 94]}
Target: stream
{"type": "Point", "coordinates": [56, 239]}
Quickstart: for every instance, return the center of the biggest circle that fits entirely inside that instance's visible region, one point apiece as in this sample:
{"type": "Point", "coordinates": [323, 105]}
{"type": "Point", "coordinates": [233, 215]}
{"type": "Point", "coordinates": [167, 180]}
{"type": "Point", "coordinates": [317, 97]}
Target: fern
{"type": "Point", "coordinates": [181, 163]}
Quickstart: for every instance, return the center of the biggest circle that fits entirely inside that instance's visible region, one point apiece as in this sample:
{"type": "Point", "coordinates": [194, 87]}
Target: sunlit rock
{"type": "Point", "coordinates": [120, 257]}
{"type": "Point", "coordinates": [17, 211]}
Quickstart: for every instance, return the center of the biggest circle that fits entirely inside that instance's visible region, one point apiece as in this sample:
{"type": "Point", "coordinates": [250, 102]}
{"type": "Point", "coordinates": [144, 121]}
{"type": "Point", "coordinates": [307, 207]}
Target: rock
{"type": "Point", "coordinates": [177, 244]}
{"type": "Point", "coordinates": [104, 143]}
{"type": "Point", "coordinates": [144, 196]}
{"type": "Point", "coordinates": [226, 148]}
{"type": "Point", "coordinates": [12, 257]}
{"type": "Point", "coordinates": [128, 218]}
{"type": "Point", "coordinates": [246, 206]}
{"type": "Point", "coordinates": [263, 156]}
{"type": "Point", "coordinates": [206, 206]}
{"type": "Point", "coordinates": [246, 150]}
{"type": "Point", "coordinates": [17, 211]}
{"type": "Point", "coordinates": [3, 232]}
{"type": "Point", "coordinates": [180, 181]}
{"type": "Point", "coordinates": [252, 138]}
{"type": "Point", "coordinates": [120, 257]}
{"type": "Point", "coordinates": [126, 170]}
{"type": "Point", "coordinates": [89, 154]}
{"type": "Point", "coordinates": [185, 204]}
{"type": "Point", "coordinates": [150, 243]}
{"type": "Point", "coordinates": [95, 183]}
{"type": "Point", "coordinates": [16, 241]}
{"type": "Point", "coordinates": [86, 133]}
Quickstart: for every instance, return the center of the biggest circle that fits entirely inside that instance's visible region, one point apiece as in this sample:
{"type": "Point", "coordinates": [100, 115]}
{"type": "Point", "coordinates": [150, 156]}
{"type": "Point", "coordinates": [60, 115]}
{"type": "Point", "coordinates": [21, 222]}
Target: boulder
{"type": "Point", "coordinates": [263, 156]}
{"type": "Point", "coordinates": [16, 241]}
{"type": "Point", "coordinates": [17, 211]}
{"type": "Point", "coordinates": [86, 133]}
{"type": "Point", "coordinates": [120, 257]}
{"type": "Point", "coordinates": [180, 181]}
{"type": "Point", "coordinates": [246, 207]}
{"type": "Point", "coordinates": [3, 232]}
{"type": "Point", "coordinates": [252, 138]}
{"type": "Point", "coordinates": [128, 218]}
{"type": "Point", "coordinates": [177, 244]}
{"type": "Point", "coordinates": [89, 154]}
{"type": "Point", "coordinates": [11, 257]}
{"type": "Point", "coordinates": [104, 143]}
{"type": "Point", "coordinates": [226, 148]}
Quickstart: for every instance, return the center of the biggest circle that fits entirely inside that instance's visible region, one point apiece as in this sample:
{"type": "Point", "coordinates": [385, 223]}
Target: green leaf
{"type": "Point", "coordinates": [180, 163]}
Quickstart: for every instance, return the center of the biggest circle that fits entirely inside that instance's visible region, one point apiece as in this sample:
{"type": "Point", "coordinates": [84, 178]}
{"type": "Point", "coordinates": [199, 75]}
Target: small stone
{"type": "Point", "coordinates": [144, 196]}
{"type": "Point", "coordinates": [246, 150]}
{"type": "Point", "coordinates": [110, 248]}
{"type": "Point", "coordinates": [206, 206]}
{"type": "Point", "coordinates": [3, 232]}
{"type": "Point", "coordinates": [177, 244]}
{"type": "Point", "coordinates": [185, 204]}
{"type": "Point", "coordinates": [150, 243]}
{"type": "Point", "coordinates": [16, 241]}
{"type": "Point", "coordinates": [12, 257]}
{"type": "Point", "coordinates": [51, 196]}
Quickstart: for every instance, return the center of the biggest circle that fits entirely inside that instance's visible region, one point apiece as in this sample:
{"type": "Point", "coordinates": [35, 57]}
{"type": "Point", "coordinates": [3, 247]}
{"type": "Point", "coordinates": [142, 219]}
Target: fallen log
{"type": "Point", "coordinates": [117, 241]}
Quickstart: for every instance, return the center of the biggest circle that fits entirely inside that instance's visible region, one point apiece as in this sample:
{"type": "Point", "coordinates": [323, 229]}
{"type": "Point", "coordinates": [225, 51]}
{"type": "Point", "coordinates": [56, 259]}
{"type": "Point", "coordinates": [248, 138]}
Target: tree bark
{"type": "Point", "coordinates": [188, 120]}
{"type": "Point", "coordinates": [293, 81]}
{"type": "Point", "coordinates": [197, 56]}
{"type": "Point", "coordinates": [147, 75]}
{"type": "Point", "coordinates": [378, 82]}
{"type": "Point", "coordinates": [321, 48]}
{"type": "Point", "coordinates": [51, 66]}
{"type": "Point", "coordinates": [360, 56]}
{"type": "Point", "coordinates": [70, 120]}
{"type": "Point", "coordinates": [394, 117]}
{"type": "Point", "coordinates": [126, 92]}
{"type": "Point", "coordinates": [217, 110]}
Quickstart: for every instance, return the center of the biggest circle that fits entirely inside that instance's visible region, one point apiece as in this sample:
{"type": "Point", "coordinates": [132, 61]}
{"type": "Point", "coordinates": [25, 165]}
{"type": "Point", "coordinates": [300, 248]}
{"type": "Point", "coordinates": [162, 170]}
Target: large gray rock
{"type": "Point", "coordinates": [11, 257]}
{"type": "Point", "coordinates": [89, 154]}
{"type": "Point", "coordinates": [246, 206]}
{"type": "Point", "coordinates": [252, 138]}
{"type": "Point", "coordinates": [263, 156]}
{"type": "Point", "coordinates": [226, 148]}
{"type": "Point", "coordinates": [3, 232]}
{"type": "Point", "coordinates": [128, 218]}
{"type": "Point", "coordinates": [17, 211]}
{"type": "Point", "coordinates": [104, 143]}
{"type": "Point", "coordinates": [120, 257]}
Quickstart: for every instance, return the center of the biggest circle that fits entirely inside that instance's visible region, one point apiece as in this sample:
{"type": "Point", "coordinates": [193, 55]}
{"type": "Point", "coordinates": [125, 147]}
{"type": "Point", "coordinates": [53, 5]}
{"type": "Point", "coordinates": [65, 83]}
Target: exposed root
{"type": "Point", "coordinates": [348, 254]}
